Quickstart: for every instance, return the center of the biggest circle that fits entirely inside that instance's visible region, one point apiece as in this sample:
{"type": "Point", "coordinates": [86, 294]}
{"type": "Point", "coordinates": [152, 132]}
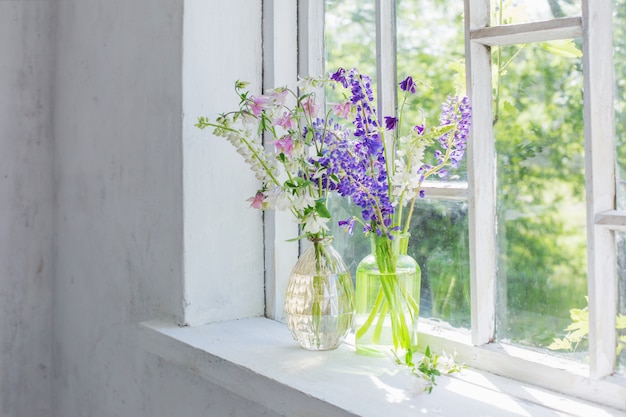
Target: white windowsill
{"type": "Point", "coordinates": [257, 359]}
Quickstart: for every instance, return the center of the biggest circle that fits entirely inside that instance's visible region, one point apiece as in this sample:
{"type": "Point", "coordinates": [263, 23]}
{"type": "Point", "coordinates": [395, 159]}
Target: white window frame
{"type": "Point", "coordinates": [602, 219]}
{"type": "Point", "coordinates": [477, 348]}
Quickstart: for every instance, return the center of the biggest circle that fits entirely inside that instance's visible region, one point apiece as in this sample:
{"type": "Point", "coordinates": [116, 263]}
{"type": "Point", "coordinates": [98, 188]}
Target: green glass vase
{"type": "Point", "coordinates": [387, 298]}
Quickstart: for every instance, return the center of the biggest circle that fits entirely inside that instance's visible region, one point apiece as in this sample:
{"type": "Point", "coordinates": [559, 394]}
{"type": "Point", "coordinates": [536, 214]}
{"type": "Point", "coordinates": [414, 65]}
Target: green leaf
{"type": "Point", "coordinates": [295, 239]}
{"type": "Point", "coordinates": [296, 182]}
{"type": "Point", "coordinates": [560, 344]}
{"type": "Point", "coordinates": [564, 48]}
{"type": "Point", "coordinates": [320, 208]}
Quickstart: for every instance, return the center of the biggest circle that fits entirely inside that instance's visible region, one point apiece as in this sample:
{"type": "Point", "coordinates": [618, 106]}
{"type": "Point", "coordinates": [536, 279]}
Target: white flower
{"type": "Point", "coordinates": [278, 199]}
{"type": "Point", "coordinates": [306, 85]}
{"type": "Point", "coordinates": [303, 201]}
{"type": "Point", "coordinates": [314, 224]}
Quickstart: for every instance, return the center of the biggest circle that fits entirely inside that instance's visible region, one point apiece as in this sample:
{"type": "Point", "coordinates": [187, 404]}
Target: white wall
{"type": "Point", "coordinates": [223, 236]}
{"type": "Point", "coordinates": [26, 198]}
{"type": "Point", "coordinates": [91, 203]}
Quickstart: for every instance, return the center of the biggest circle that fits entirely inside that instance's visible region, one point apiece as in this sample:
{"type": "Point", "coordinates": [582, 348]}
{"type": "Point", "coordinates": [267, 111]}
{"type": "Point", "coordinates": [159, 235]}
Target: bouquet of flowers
{"type": "Point", "coordinates": [319, 302]}
{"type": "Point", "coordinates": [345, 151]}
{"type": "Point", "coordinates": [384, 178]}
{"type": "Point", "coordinates": [381, 177]}
{"type": "Point", "coordinates": [291, 175]}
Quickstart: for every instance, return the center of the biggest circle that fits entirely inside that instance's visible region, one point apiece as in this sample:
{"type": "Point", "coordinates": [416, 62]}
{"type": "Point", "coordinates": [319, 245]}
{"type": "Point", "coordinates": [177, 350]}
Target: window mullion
{"type": "Point", "coordinates": [564, 28]}
{"type": "Point", "coordinates": [386, 57]}
{"type": "Point", "coordinates": [481, 177]}
{"type": "Point", "coordinates": [612, 219]}
{"type": "Point", "coordinates": [279, 69]}
{"type": "Point", "coordinates": [310, 38]}
{"type": "Point", "coordinates": [600, 169]}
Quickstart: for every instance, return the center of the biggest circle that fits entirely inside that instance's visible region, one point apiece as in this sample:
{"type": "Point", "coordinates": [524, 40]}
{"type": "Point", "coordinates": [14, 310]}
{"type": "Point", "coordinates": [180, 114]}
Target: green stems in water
{"type": "Point", "coordinates": [387, 298]}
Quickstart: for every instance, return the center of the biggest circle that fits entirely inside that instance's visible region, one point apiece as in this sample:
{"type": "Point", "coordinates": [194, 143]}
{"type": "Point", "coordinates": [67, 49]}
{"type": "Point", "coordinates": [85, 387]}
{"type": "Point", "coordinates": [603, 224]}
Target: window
{"type": "Point", "coordinates": [539, 213]}
{"type": "Point", "coordinates": [224, 265]}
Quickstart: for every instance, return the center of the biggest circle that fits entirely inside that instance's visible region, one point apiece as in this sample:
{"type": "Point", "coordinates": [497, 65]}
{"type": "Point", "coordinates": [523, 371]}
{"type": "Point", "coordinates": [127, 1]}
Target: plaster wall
{"type": "Point", "coordinates": [26, 202]}
{"type": "Point", "coordinates": [91, 202]}
{"type": "Point", "coordinates": [119, 168]}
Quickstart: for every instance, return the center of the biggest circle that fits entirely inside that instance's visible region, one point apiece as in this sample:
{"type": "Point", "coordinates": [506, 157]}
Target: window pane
{"type": "Point", "coordinates": [619, 42]}
{"type": "Point", "coordinates": [620, 239]}
{"type": "Point", "coordinates": [440, 245]}
{"type": "Point", "coordinates": [436, 63]}
{"type": "Point", "coordinates": [507, 12]}
{"type": "Point", "coordinates": [349, 42]}
{"type": "Point", "coordinates": [540, 188]}
{"type": "Point", "coordinates": [353, 247]}
{"type": "Point", "coordinates": [350, 36]}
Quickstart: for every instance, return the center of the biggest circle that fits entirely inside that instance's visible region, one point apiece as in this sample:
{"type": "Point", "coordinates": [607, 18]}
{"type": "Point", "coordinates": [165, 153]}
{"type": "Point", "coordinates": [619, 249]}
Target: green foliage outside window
{"type": "Point", "coordinates": [538, 125]}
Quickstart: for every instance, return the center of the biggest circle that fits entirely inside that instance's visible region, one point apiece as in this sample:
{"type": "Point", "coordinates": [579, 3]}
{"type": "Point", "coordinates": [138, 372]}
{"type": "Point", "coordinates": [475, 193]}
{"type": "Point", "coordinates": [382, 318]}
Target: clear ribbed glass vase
{"type": "Point", "coordinates": [387, 298]}
{"type": "Point", "coordinates": [319, 304]}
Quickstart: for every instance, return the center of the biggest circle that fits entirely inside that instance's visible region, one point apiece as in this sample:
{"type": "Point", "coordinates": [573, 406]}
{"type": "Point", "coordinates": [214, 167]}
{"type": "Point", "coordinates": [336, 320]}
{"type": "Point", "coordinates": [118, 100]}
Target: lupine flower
{"type": "Point", "coordinates": [358, 161]}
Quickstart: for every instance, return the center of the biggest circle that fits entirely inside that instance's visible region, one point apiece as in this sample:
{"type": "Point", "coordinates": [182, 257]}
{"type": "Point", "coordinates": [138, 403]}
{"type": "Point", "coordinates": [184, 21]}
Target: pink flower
{"type": "Point", "coordinates": [258, 104]}
{"type": "Point", "coordinates": [342, 110]}
{"type": "Point", "coordinates": [286, 121]}
{"type": "Point", "coordinates": [284, 145]}
{"type": "Point", "coordinates": [258, 201]}
{"type": "Point", "coordinates": [279, 96]}
{"type": "Point", "coordinates": [309, 107]}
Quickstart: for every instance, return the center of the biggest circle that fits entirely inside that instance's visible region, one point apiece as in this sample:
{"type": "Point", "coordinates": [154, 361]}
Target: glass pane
{"type": "Point", "coordinates": [620, 239]}
{"type": "Point", "coordinates": [619, 42]}
{"type": "Point", "coordinates": [432, 51]}
{"type": "Point", "coordinates": [353, 247]}
{"type": "Point", "coordinates": [538, 126]}
{"type": "Point", "coordinates": [350, 37]}
{"type": "Point", "coordinates": [506, 12]}
{"type": "Point", "coordinates": [349, 42]}
{"type": "Point", "coordinates": [440, 245]}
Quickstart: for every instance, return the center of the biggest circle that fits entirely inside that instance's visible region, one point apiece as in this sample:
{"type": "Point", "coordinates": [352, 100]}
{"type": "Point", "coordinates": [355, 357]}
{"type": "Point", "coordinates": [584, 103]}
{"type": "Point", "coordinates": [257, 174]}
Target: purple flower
{"type": "Point", "coordinates": [408, 85]}
{"type": "Point", "coordinates": [459, 113]}
{"type": "Point", "coordinates": [390, 122]}
{"type": "Point", "coordinates": [340, 77]}
{"type": "Point", "coordinates": [357, 161]}
{"type": "Point", "coordinates": [348, 224]}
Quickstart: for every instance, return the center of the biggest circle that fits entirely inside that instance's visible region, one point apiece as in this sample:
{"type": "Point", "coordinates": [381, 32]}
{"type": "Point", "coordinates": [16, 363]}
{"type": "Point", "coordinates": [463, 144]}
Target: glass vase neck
{"type": "Point", "coordinates": [324, 240]}
{"type": "Point", "coordinates": [399, 244]}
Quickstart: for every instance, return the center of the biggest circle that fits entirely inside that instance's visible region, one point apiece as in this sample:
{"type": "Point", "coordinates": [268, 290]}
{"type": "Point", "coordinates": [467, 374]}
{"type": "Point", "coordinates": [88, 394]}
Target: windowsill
{"type": "Point", "coordinates": [257, 359]}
